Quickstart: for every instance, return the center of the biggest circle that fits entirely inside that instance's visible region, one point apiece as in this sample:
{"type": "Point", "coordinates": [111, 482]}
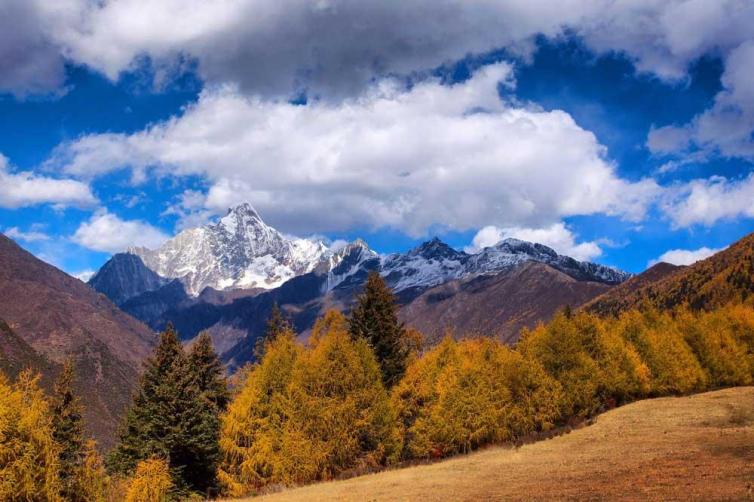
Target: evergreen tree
{"type": "Point", "coordinates": [68, 434]}
{"type": "Point", "coordinates": [209, 378]}
{"type": "Point", "coordinates": [168, 419]}
{"type": "Point", "coordinates": [209, 371]}
{"type": "Point", "coordinates": [375, 319]}
{"type": "Point", "coordinates": [276, 324]}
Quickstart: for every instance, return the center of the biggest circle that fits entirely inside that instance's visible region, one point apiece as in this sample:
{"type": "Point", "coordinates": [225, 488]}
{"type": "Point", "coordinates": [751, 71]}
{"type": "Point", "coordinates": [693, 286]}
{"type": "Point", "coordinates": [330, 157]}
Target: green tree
{"type": "Point", "coordinates": [208, 375]}
{"type": "Point", "coordinates": [68, 434]}
{"type": "Point", "coordinates": [375, 320]}
{"type": "Point", "coordinates": [168, 419]}
{"type": "Point", "coordinates": [276, 325]}
{"type": "Point", "coordinates": [209, 372]}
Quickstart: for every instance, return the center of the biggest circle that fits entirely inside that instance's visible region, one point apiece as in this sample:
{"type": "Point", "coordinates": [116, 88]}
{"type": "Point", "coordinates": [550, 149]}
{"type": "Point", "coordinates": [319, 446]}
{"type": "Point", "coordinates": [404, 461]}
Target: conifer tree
{"type": "Point", "coordinates": [209, 371]}
{"type": "Point", "coordinates": [28, 453]}
{"type": "Point", "coordinates": [276, 324]}
{"type": "Point", "coordinates": [209, 378]}
{"type": "Point", "coordinates": [68, 434]}
{"type": "Point", "coordinates": [375, 320]}
{"type": "Point", "coordinates": [168, 419]}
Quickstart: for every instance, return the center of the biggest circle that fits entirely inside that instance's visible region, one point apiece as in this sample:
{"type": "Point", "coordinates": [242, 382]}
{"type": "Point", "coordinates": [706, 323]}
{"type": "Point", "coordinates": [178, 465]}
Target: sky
{"type": "Point", "coordinates": [620, 132]}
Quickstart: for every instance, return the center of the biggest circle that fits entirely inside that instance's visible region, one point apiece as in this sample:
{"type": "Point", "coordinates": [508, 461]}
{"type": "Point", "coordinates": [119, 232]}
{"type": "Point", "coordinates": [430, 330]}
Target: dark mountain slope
{"type": "Point", "coordinates": [16, 355]}
{"type": "Point", "coordinates": [59, 317]}
{"type": "Point", "coordinates": [499, 305]}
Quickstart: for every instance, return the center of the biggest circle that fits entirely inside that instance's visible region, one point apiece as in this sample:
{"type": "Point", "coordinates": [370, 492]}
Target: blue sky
{"type": "Point", "coordinates": [608, 142]}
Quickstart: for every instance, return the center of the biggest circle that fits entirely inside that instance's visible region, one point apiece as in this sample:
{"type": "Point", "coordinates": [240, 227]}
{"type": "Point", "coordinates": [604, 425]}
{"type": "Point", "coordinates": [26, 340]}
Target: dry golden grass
{"type": "Point", "coordinates": [699, 447]}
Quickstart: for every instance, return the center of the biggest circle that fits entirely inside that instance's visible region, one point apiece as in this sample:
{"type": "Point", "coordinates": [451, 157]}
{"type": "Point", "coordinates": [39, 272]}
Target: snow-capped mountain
{"type": "Point", "coordinates": [239, 251]}
{"type": "Point", "coordinates": [434, 262]}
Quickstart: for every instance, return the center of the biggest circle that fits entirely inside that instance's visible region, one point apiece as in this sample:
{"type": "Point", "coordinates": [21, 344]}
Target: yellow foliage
{"type": "Point", "coordinates": [463, 395]}
{"type": "Point", "coordinates": [308, 414]}
{"type": "Point", "coordinates": [560, 348]}
{"type": "Point", "coordinates": [251, 428]}
{"type": "Point", "coordinates": [150, 483]}
{"type": "Point", "coordinates": [28, 453]}
{"type": "Point", "coordinates": [662, 347]}
{"type": "Point", "coordinates": [93, 480]}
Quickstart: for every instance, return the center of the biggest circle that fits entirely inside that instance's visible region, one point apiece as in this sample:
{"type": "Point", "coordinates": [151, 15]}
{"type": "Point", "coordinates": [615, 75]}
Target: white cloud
{"type": "Point", "coordinates": [685, 256]}
{"type": "Point", "coordinates": [336, 47]}
{"type": "Point", "coordinates": [22, 189]}
{"type": "Point", "coordinates": [277, 48]}
{"type": "Point", "coordinates": [707, 201]}
{"type": "Point", "coordinates": [456, 157]}
{"type": "Point", "coordinates": [556, 236]}
{"type": "Point", "coordinates": [84, 275]}
{"type": "Point", "coordinates": [26, 236]}
{"type": "Point", "coordinates": [106, 232]}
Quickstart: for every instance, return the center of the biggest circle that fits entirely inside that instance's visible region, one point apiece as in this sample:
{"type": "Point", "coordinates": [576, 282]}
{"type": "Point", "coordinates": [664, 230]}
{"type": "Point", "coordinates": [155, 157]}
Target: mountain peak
{"type": "Point", "coordinates": [434, 249]}
{"type": "Point", "coordinates": [241, 216]}
{"type": "Point", "coordinates": [518, 246]}
{"type": "Point", "coordinates": [243, 208]}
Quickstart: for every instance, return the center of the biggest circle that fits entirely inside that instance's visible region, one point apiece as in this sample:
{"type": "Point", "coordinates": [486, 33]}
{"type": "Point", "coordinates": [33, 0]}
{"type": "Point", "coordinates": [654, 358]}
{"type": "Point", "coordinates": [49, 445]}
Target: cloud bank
{"type": "Point", "coordinates": [431, 156]}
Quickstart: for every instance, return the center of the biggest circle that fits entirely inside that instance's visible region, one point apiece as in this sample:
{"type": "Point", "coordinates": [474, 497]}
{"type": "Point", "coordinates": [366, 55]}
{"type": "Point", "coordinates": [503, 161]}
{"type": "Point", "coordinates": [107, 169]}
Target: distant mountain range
{"type": "Point", "coordinates": [47, 317]}
{"type": "Point", "coordinates": [225, 277]}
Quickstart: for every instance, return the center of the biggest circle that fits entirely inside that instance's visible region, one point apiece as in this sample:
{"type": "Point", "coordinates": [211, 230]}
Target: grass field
{"type": "Point", "coordinates": [699, 447]}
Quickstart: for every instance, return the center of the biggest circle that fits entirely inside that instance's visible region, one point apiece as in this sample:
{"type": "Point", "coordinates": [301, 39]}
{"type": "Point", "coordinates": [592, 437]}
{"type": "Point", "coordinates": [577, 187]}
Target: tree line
{"type": "Point", "coordinates": [359, 396]}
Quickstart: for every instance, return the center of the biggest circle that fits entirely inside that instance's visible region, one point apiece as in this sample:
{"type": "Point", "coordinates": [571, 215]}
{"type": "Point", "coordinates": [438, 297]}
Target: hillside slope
{"type": "Point", "coordinates": [59, 317]}
{"type": "Point", "coordinates": [698, 447]}
{"type": "Point", "coordinates": [724, 277]}
{"type": "Point", "coordinates": [498, 305]}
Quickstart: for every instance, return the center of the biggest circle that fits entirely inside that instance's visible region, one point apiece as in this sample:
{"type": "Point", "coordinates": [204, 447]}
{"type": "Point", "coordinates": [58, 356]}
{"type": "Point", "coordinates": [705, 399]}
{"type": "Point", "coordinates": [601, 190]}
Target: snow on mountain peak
{"type": "Point", "coordinates": [242, 251]}
{"type": "Point", "coordinates": [239, 251]}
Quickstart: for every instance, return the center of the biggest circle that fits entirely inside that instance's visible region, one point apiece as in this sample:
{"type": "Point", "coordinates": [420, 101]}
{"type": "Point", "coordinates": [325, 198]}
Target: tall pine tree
{"type": "Point", "coordinates": [209, 378]}
{"type": "Point", "coordinates": [68, 434]}
{"type": "Point", "coordinates": [168, 419]}
{"type": "Point", "coordinates": [375, 319]}
{"type": "Point", "coordinates": [276, 324]}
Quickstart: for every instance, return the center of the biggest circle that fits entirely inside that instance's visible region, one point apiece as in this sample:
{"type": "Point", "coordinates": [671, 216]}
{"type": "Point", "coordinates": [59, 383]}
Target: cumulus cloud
{"type": "Point", "coordinates": [705, 201]}
{"type": "Point", "coordinates": [21, 189]}
{"type": "Point", "coordinates": [106, 232]}
{"type": "Point", "coordinates": [557, 236]}
{"type": "Point", "coordinates": [26, 236]}
{"type": "Point", "coordinates": [457, 157]}
{"type": "Point", "coordinates": [684, 256]}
